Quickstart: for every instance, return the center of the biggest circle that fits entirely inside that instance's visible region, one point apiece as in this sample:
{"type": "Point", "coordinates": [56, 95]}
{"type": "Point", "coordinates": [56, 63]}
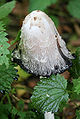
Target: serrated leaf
{"type": "Point", "coordinates": [4, 45]}
{"type": "Point", "coordinates": [76, 86]}
{"type": "Point", "coordinates": [74, 8]}
{"type": "Point", "coordinates": [6, 77]}
{"type": "Point", "coordinates": [6, 9]}
{"type": "Point", "coordinates": [49, 93]}
{"type": "Point", "coordinates": [2, 26]}
{"type": "Point", "coordinates": [40, 5]}
{"type": "Point", "coordinates": [75, 69]}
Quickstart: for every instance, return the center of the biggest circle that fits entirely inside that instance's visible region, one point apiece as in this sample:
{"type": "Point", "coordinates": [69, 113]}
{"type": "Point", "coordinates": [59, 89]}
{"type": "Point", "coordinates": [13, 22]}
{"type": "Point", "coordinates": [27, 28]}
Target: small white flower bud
{"type": "Point", "coordinates": [42, 51]}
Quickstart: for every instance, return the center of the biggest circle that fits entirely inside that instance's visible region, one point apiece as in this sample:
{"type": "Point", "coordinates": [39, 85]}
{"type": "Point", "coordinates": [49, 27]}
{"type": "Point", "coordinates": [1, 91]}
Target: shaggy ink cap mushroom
{"type": "Point", "coordinates": [41, 50]}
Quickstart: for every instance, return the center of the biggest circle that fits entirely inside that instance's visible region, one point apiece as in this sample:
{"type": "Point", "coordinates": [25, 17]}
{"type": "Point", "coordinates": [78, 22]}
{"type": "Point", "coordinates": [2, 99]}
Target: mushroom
{"type": "Point", "coordinates": [41, 50]}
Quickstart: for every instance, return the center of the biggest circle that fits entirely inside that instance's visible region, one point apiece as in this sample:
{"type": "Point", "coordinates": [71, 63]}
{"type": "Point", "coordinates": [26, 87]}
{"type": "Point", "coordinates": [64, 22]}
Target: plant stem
{"type": "Point", "coordinates": [17, 99]}
{"type": "Point", "coordinates": [3, 98]}
{"type": "Point", "coordinates": [8, 97]}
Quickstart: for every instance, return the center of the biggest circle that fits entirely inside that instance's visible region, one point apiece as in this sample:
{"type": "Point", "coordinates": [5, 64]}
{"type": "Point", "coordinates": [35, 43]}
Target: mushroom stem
{"type": "Point", "coordinates": [49, 115]}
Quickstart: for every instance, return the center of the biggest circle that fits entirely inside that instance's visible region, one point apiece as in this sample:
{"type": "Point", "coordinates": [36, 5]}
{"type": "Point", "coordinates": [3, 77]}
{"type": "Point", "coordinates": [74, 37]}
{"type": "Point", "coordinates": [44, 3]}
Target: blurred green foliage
{"type": "Point", "coordinates": [74, 8]}
{"type": "Point", "coordinates": [76, 86]}
{"type": "Point", "coordinates": [40, 5]}
{"type": "Point", "coordinates": [77, 114]}
{"type": "Point", "coordinates": [75, 69]}
{"type": "Point", "coordinates": [50, 92]}
{"type": "Point", "coordinates": [6, 9]}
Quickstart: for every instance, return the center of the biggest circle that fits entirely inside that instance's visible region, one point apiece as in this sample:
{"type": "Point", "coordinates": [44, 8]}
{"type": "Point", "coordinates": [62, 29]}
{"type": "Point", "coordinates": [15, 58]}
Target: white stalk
{"type": "Point", "coordinates": [49, 115]}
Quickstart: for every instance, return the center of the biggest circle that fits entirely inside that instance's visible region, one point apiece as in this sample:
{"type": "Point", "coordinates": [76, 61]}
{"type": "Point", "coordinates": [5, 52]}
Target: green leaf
{"type": "Point", "coordinates": [40, 5]}
{"type": "Point", "coordinates": [21, 114]}
{"type": "Point", "coordinates": [74, 8]}
{"type": "Point", "coordinates": [6, 9]}
{"type": "Point", "coordinates": [71, 87]}
{"type": "Point", "coordinates": [4, 108]}
{"type": "Point", "coordinates": [57, 117]}
{"type": "Point", "coordinates": [78, 114]}
{"type": "Point", "coordinates": [72, 95]}
{"type": "Point", "coordinates": [14, 111]}
{"type": "Point", "coordinates": [75, 69]}
{"type": "Point", "coordinates": [49, 93]}
{"type": "Point", "coordinates": [6, 20]}
{"type": "Point", "coordinates": [4, 45]}
{"type": "Point", "coordinates": [6, 77]}
{"type": "Point", "coordinates": [21, 105]}
{"type": "Point", "coordinates": [2, 2]}
{"type": "Point", "coordinates": [76, 86]}
{"type": "Point", "coordinates": [31, 115]}
{"type": "Point", "coordinates": [2, 27]}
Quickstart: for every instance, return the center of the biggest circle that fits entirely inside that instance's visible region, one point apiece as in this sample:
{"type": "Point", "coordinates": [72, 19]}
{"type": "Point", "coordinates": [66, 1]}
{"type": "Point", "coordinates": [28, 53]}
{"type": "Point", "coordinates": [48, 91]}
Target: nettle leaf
{"type": "Point", "coordinates": [49, 93]}
{"type": "Point", "coordinates": [76, 85]}
{"type": "Point", "coordinates": [6, 9]}
{"type": "Point", "coordinates": [75, 69]}
{"type": "Point", "coordinates": [74, 8]}
{"type": "Point", "coordinates": [4, 45]}
{"type": "Point", "coordinates": [6, 77]}
{"type": "Point", "coordinates": [40, 5]}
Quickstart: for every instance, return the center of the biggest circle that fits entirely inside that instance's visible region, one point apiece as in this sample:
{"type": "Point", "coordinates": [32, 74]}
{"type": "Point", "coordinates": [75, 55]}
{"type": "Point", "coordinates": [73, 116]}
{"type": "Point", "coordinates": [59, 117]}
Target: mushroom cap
{"type": "Point", "coordinates": [41, 50]}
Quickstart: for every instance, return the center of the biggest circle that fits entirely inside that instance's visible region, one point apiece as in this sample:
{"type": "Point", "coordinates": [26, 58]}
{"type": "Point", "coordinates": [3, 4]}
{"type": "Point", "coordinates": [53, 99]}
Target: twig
{"type": "Point", "coordinates": [17, 99]}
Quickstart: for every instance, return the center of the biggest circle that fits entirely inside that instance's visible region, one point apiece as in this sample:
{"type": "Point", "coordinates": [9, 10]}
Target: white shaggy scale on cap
{"type": "Point", "coordinates": [41, 50]}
